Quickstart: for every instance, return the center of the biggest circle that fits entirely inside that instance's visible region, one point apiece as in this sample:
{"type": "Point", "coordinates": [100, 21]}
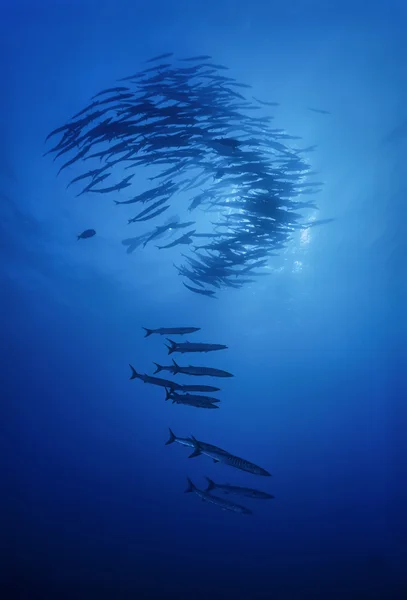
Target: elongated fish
{"type": "Point", "coordinates": [221, 502]}
{"type": "Point", "coordinates": [209, 293]}
{"type": "Point", "coordinates": [160, 56]}
{"type": "Point", "coordinates": [198, 371]}
{"type": "Point", "coordinates": [192, 397]}
{"type": "Point", "coordinates": [166, 383]}
{"type": "Point", "coordinates": [238, 490]}
{"type": "Point", "coordinates": [182, 441]}
{"type": "Point", "coordinates": [190, 400]}
{"type": "Point", "coordinates": [171, 330]}
{"type": "Point", "coordinates": [189, 442]}
{"type": "Point", "coordinates": [219, 455]}
{"type": "Point", "coordinates": [200, 388]}
{"type": "Point", "coordinates": [183, 347]}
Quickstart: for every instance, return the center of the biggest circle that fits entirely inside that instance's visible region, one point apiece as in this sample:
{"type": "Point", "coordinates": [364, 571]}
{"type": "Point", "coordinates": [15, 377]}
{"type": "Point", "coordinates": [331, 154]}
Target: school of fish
{"type": "Point", "coordinates": [201, 145]}
{"type": "Point", "coordinates": [181, 394]}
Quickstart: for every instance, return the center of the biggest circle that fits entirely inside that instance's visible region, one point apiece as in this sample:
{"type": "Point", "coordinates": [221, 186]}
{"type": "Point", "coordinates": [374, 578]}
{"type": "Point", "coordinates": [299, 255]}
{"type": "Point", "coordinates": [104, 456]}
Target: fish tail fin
{"type": "Point", "coordinates": [134, 373]}
{"type": "Point", "coordinates": [190, 487]}
{"type": "Point", "coordinates": [176, 367]}
{"type": "Point", "coordinates": [211, 485]}
{"type": "Point", "coordinates": [116, 201]}
{"type": "Point", "coordinates": [158, 369]}
{"type": "Point", "coordinates": [172, 437]}
{"type": "Point", "coordinates": [78, 237]}
{"type": "Point", "coordinates": [172, 347]}
{"type": "Point", "coordinates": [167, 394]}
{"type": "Point", "coordinates": [148, 332]}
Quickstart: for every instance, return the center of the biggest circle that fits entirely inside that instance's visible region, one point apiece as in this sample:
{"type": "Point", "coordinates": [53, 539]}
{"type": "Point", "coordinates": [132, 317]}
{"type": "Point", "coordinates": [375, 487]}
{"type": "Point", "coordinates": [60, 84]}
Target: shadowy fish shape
{"type": "Point", "coordinates": [221, 502]}
{"type": "Point", "coordinates": [238, 490]}
{"type": "Point", "coordinates": [183, 347]}
{"type": "Point", "coordinates": [198, 371]}
{"type": "Point", "coordinates": [171, 330]}
{"type": "Point", "coordinates": [200, 388]}
{"type": "Point", "coordinates": [192, 400]}
{"type": "Point", "coordinates": [166, 383]}
{"type": "Point", "coordinates": [88, 233]}
{"type": "Point", "coordinates": [319, 110]}
{"type": "Point", "coordinates": [191, 397]}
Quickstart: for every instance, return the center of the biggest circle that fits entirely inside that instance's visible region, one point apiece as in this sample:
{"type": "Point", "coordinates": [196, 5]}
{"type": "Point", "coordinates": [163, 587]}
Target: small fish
{"type": "Point", "coordinates": [160, 56]}
{"type": "Point", "coordinates": [209, 293]}
{"type": "Point", "coordinates": [319, 110]}
{"type": "Point", "coordinates": [113, 89]}
{"type": "Point", "coordinates": [266, 103]}
{"type": "Point", "coordinates": [193, 58]}
{"type": "Point", "coordinates": [221, 502]}
{"type": "Point", "coordinates": [88, 233]}
{"type": "Point", "coordinates": [119, 186]}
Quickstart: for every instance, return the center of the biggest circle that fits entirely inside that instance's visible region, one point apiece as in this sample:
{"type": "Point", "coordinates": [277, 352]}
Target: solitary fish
{"type": "Point", "coordinates": [171, 330]}
{"type": "Point", "coordinates": [183, 347]}
{"type": "Point", "coordinates": [238, 490]}
{"type": "Point", "coordinates": [221, 502]}
{"type": "Point", "coordinates": [88, 233]}
{"type": "Point", "coordinates": [319, 110]}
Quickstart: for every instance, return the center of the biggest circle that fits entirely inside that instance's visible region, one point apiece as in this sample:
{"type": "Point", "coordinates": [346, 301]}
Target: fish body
{"type": "Point", "coordinates": [221, 502]}
{"type": "Point", "coordinates": [238, 490]}
{"type": "Point", "coordinates": [189, 397]}
{"type": "Point", "coordinates": [171, 330]}
{"type": "Point", "coordinates": [88, 233]}
{"type": "Point", "coordinates": [190, 400]}
{"type": "Point", "coordinates": [200, 388]}
{"type": "Point", "coordinates": [166, 383]}
{"type": "Point", "coordinates": [203, 292]}
{"type": "Point", "coordinates": [184, 347]}
{"type": "Point", "coordinates": [219, 455]}
{"type": "Point", "coordinates": [198, 371]}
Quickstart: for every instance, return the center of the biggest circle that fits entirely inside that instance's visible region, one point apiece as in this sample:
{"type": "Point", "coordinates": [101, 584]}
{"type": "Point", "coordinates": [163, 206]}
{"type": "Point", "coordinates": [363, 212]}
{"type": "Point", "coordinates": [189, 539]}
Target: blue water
{"type": "Point", "coordinates": [92, 502]}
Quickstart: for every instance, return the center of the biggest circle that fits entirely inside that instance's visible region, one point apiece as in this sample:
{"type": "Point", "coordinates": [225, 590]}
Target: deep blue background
{"type": "Point", "coordinates": [92, 503]}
